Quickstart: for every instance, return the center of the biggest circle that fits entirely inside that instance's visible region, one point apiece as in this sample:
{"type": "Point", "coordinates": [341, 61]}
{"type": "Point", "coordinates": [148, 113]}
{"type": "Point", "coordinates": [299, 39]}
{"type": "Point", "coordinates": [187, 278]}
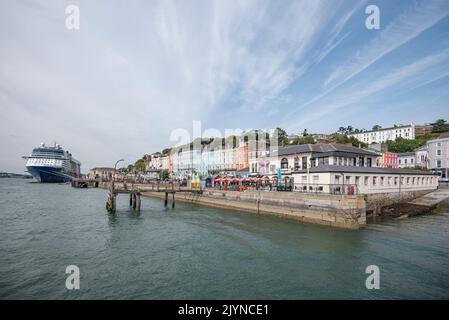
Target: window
{"type": "Point", "coordinates": [316, 179]}
{"type": "Point", "coordinates": [405, 161]}
{"type": "Point", "coordinates": [396, 179]}
{"type": "Point", "coordinates": [374, 180]}
{"type": "Point", "coordinates": [366, 181]}
{"type": "Point", "coordinates": [297, 164]}
{"type": "Point", "coordinates": [303, 179]}
{"type": "Point", "coordinates": [439, 144]}
{"type": "Point", "coordinates": [389, 181]}
{"type": "Point", "coordinates": [438, 163]}
{"type": "Point", "coordinates": [411, 161]}
{"type": "Point", "coordinates": [337, 179]}
{"type": "Point", "coordinates": [284, 163]}
{"type": "Point", "coordinates": [304, 163]}
{"type": "Point", "coordinates": [438, 152]}
{"type": "Point", "coordinates": [382, 179]}
{"type": "Point", "coordinates": [348, 180]}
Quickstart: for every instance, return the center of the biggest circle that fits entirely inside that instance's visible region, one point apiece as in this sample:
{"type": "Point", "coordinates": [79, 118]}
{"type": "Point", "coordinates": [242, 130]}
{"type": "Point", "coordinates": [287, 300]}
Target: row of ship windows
{"type": "Point", "coordinates": [42, 161]}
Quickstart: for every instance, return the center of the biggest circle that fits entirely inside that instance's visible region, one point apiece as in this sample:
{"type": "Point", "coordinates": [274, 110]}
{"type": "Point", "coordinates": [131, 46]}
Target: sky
{"type": "Point", "coordinates": [137, 71]}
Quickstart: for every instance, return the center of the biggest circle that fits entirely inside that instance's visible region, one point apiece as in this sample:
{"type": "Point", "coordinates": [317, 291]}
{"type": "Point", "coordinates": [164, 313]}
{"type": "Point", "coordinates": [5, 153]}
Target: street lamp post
{"type": "Point", "coordinates": [115, 170]}
{"type": "Point", "coordinates": [115, 166]}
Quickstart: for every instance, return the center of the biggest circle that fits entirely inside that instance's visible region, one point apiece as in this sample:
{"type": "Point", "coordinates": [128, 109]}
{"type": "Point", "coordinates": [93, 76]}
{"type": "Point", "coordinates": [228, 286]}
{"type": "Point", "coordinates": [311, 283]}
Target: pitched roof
{"type": "Point", "coordinates": [406, 154]}
{"type": "Point", "coordinates": [355, 169]}
{"type": "Point", "coordinates": [324, 148]}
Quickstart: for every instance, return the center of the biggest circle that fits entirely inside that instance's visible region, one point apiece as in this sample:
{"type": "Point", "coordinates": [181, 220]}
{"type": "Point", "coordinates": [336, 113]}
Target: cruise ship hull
{"type": "Point", "coordinates": [48, 174]}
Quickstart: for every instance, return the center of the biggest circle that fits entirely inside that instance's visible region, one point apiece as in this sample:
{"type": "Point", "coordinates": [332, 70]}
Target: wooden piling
{"type": "Point", "coordinates": [130, 199]}
{"type": "Point", "coordinates": [138, 202]}
{"type": "Point", "coordinates": [173, 200]}
{"type": "Point", "coordinates": [166, 199]}
{"type": "Point", "coordinates": [134, 201]}
{"type": "Point", "coordinates": [114, 202]}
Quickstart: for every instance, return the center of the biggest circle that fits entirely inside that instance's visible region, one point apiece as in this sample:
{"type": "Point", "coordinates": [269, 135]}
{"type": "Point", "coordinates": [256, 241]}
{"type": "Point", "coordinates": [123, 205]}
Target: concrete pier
{"type": "Point", "coordinates": [431, 199]}
{"type": "Point", "coordinates": [418, 205]}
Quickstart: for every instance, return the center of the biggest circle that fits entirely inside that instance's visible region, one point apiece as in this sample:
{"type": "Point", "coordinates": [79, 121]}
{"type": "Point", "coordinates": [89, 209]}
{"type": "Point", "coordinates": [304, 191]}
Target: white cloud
{"type": "Point", "coordinates": [406, 27]}
{"type": "Point", "coordinates": [415, 74]}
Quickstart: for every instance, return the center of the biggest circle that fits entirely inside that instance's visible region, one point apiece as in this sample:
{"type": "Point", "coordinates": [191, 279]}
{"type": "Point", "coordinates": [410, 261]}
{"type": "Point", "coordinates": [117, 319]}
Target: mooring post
{"type": "Point", "coordinates": [138, 202]}
{"type": "Point", "coordinates": [108, 202]}
{"type": "Point", "coordinates": [173, 200]}
{"type": "Point", "coordinates": [166, 199]}
{"type": "Point", "coordinates": [130, 199]}
{"type": "Point", "coordinates": [114, 205]}
{"type": "Point", "coordinates": [134, 201]}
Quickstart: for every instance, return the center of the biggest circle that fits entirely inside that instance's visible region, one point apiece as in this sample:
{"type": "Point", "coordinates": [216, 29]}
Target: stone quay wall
{"type": "Point", "coordinates": [332, 210]}
{"type": "Point", "coordinates": [375, 202]}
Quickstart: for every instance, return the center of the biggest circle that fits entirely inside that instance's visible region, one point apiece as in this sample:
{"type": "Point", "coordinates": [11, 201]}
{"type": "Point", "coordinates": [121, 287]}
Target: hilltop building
{"type": "Point", "coordinates": [438, 156]}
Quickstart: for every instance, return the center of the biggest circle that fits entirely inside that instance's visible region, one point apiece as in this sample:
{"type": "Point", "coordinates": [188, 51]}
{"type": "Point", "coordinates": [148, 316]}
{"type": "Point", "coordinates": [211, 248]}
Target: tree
{"type": "Point", "coordinates": [129, 169]}
{"type": "Point", "coordinates": [349, 129]}
{"type": "Point", "coordinates": [139, 165]}
{"type": "Point", "coordinates": [303, 140]}
{"type": "Point", "coordinates": [404, 145]}
{"type": "Point", "coordinates": [341, 130]}
{"type": "Point", "coordinates": [377, 127]}
{"type": "Point", "coordinates": [341, 138]}
{"type": "Point", "coordinates": [440, 125]}
{"type": "Point", "coordinates": [166, 151]}
{"type": "Point", "coordinates": [282, 136]}
{"type": "Point", "coordinates": [164, 175]}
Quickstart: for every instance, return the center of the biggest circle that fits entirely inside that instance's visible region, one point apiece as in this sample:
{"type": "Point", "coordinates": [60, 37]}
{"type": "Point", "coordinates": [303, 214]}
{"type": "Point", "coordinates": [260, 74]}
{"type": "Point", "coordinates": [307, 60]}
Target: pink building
{"type": "Point", "coordinates": [389, 160]}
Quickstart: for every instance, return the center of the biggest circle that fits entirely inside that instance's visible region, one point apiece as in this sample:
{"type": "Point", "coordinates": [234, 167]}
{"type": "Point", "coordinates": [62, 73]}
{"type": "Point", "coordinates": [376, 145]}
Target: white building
{"type": "Point", "coordinates": [343, 169]}
{"type": "Point", "coordinates": [362, 180]}
{"type": "Point", "coordinates": [305, 156]}
{"type": "Point", "coordinates": [421, 157]}
{"type": "Point", "coordinates": [438, 156]}
{"type": "Point", "coordinates": [407, 160]}
{"type": "Point", "coordinates": [384, 134]}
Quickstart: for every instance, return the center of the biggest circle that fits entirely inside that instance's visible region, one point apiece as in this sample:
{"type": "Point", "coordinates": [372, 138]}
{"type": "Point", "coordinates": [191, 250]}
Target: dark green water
{"type": "Point", "coordinates": [194, 252]}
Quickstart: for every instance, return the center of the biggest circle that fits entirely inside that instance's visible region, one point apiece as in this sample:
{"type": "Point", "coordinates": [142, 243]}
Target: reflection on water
{"type": "Point", "coordinates": [196, 252]}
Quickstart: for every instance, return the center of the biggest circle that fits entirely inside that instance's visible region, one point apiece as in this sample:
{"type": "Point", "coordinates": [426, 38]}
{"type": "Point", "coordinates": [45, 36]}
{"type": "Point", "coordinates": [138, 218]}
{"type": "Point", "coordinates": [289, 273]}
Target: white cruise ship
{"type": "Point", "coordinates": [52, 164]}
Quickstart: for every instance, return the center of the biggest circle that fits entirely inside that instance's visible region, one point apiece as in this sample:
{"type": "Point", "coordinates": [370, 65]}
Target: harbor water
{"type": "Point", "coordinates": [194, 252]}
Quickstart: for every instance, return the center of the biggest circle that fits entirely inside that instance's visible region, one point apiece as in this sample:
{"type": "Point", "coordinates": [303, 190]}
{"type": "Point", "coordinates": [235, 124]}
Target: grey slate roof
{"type": "Point", "coordinates": [324, 148]}
{"type": "Point", "coordinates": [354, 169]}
{"type": "Point", "coordinates": [406, 154]}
